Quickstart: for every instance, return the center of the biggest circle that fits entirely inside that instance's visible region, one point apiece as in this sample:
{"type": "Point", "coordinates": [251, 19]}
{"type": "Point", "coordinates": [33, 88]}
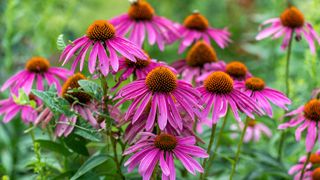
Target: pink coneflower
{"type": "Point", "coordinates": [37, 70]}
{"type": "Point", "coordinates": [101, 37]}
{"type": "Point", "coordinates": [80, 102]}
{"type": "Point", "coordinates": [312, 170]}
{"type": "Point", "coordinates": [9, 108]}
{"type": "Point", "coordinates": [307, 116]}
{"type": "Point", "coordinates": [196, 27]}
{"type": "Point", "coordinates": [254, 130]}
{"type": "Point", "coordinates": [291, 21]}
{"type": "Point", "coordinates": [163, 90]}
{"type": "Point", "coordinates": [200, 59]}
{"type": "Point", "coordinates": [141, 20]}
{"type": "Point", "coordinates": [255, 88]}
{"type": "Point", "coordinates": [139, 69]}
{"type": "Point", "coordinates": [218, 92]}
{"type": "Point", "coordinates": [164, 148]}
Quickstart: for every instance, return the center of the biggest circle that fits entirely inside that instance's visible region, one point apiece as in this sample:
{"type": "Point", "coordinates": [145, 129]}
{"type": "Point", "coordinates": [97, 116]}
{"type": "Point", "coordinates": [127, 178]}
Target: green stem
{"type": "Point", "coordinates": [305, 165]}
{"type": "Point", "coordinates": [116, 160]}
{"type": "Point", "coordinates": [213, 131]}
{"type": "Point", "coordinates": [213, 155]}
{"type": "Point", "coordinates": [287, 82]}
{"type": "Point", "coordinates": [39, 167]}
{"type": "Point", "coordinates": [234, 165]}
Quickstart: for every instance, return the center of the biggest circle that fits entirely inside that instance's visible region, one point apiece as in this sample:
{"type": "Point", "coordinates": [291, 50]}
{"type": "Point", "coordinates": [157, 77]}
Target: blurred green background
{"type": "Point", "coordinates": [31, 27]}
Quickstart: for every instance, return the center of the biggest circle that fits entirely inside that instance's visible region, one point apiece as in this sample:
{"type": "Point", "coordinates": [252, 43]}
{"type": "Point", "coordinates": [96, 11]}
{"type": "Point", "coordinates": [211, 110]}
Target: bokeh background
{"type": "Point", "coordinates": [31, 27]}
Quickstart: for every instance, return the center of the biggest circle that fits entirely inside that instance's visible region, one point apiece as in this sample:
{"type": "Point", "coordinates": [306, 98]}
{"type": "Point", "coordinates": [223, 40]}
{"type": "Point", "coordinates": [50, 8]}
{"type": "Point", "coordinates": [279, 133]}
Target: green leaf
{"type": "Point", "coordinates": [87, 131]}
{"type": "Point", "coordinates": [77, 144]}
{"type": "Point", "coordinates": [56, 104]}
{"type": "Point", "coordinates": [23, 99]}
{"type": "Point", "coordinates": [91, 163]}
{"type": "Point", "coordinates": [92, 88]}
{"type": "Point", "coordinates": [53, 146]}
{"type": "Point", "coordinates": [61, 45]}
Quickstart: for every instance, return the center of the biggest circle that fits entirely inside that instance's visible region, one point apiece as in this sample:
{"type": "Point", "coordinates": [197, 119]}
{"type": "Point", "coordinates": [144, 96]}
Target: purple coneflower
{"type": "Point", "coordinates": [200, 59]}
{"type": "Point", "coordinates": [218, 92]}
{"type": "Point", "coordinates": [312, 170]}
{"type": "Point", "coordinates": [255, 88]}
{"type": "Point", "coordinates": [9, 108]}
{"type": "Point", "coordinates": [81, 103]}
{"type": "Point", "coordinates": [235, 69]}
{"type": "Point", "coordinates": [291, 21]}
{"type": "Point", "coordinates": [163, 90]}
{"type": "Point", "coordinates": [37, 70]}
{"type": "Point", "coordinates": [308, 117]}
{"type": "Point", "coordinates": [254, 130]}
{"type": "Point", "coordinates": [139, 69]}
{"type": "Point", "coordinates": [196, 27]}
{"type": "Point", "coordinates": [101, 37]}
{"type": "Point", "coordinates": [164, 148]}
{"type": "Point", "coordinates": [141, 20]}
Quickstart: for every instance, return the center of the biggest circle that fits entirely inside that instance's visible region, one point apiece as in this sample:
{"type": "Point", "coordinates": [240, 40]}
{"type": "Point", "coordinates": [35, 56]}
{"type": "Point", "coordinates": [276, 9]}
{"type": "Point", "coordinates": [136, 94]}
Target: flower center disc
{"type": "Point", "coordinates": [101, 30]}
{"type": "Point", "coordinates": [312, 110]}
{"type": "Point", "coordinates": [161, 79]}
{"type": "Point", "coordinates": [219, 83]}
{"type": "Point", "coordinates": [72, 83]}
{"type": "Point", "coordinates": [252, 123]}
{"type": "Point", "coordinates": [255, 84]}
{"type": "Point", "coordinates": [38, 65]}
{"type": "Point", "coordinates": [165, 142]}
{"type": "Point", "coordinates": [200, 54]}
{"type": "Point", "coordinates": [316, 174]}
{"type": "Point", "coordinates": [196, 21]}
{"type": "Point", "coordinates": [315, 158]}
{"type": "Point", "coordinates": [139, 64]}
{"type": "Point", "coordinates": [236, 70]}
{"type": "Point", "coordinates": [292, 18]}
{"type": "Point", "coordinates": [141, 11]}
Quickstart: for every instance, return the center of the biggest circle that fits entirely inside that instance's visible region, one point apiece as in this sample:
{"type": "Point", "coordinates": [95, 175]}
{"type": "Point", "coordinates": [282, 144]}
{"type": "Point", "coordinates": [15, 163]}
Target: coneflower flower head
{"type": "Point", "coordinates": [101, 37]}
{"type": "Point", "coordinates": [308, 117]}
{"type": "Point", "coordinates": [196, 27]}
{"type": "Point", "coordinates": [164, 91]}
{"type": "Point", "coordinates": [162, 149]}
{"type": "Point", "coordinates": [141, 21]}
{"type": "Point", "coordinates": [37, 69]}
{"type": "Point", "coordinates": [218, 92]}
{"type": "Point", "coordinates": [290, 21]}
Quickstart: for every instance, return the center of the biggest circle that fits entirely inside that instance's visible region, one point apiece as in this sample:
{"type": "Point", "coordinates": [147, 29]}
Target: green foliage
{"type": "Point", "coordinates": [60, 43]}
{"type": "Point", "coordinates": [91, 88]}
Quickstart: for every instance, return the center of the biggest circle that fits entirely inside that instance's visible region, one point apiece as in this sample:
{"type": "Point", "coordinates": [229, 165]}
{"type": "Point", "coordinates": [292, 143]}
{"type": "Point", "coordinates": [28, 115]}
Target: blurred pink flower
{"type": "Point", "coordinates": [103, 38]}
{"type": "Point", "coordinates": [291, 21]}
{"type": "Point", "coordinates": [37, 70]}
{"type": "Point", "coordinates": [141, 19]}
{"type": "Point", "coordinates": [307, 117]}
{"type": "Point", "coordinates": [254, 130]}
{"type": "Point", "coordinates": [164, 148]}
{"type": "Point", "coordinates": [196, 27]}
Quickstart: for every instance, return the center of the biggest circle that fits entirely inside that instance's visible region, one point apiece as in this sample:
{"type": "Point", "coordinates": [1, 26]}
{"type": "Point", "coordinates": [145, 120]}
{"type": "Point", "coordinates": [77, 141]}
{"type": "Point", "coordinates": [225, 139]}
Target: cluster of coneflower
{"type": "Point", "coordinates": [166, 105]}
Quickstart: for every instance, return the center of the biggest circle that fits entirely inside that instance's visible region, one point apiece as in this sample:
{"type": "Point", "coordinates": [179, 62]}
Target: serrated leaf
{"type": "Point", "coordinates": [56, 104]}
{"type": "Point", "coordinates": [91, 163]}
{"type": "Point", "coordinates": [87, 131]}
{"type": "Point", "coordinates": [56, 147]}
{"type": "Point", "coordinates": [61, 45]}
{"type": "Point", "coordinates": [92, 88]}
